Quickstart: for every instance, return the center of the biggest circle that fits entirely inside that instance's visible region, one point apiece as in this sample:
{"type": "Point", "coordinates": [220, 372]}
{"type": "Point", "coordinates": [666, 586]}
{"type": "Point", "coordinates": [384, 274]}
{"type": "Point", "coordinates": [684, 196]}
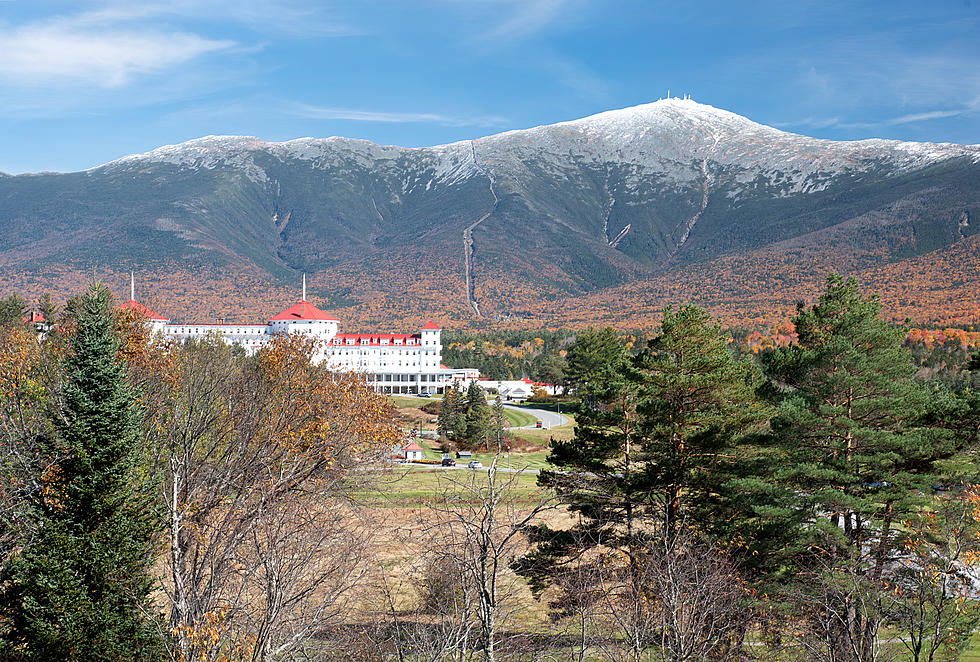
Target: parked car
{"type": "Point", "coordinates": [538, 424]}
{"type": "Point", "coordinates": [448, 462]}
{"type": "Point", "coordinates": [474, 464]}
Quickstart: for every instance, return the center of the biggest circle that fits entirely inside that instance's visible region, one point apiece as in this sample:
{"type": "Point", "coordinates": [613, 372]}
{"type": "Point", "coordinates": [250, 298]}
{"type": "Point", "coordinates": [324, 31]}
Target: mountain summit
{"type": "Point", "coordinates": [498, 226]}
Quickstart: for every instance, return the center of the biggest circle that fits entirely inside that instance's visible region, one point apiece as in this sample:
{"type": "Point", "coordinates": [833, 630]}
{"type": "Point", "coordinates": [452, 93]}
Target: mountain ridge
{"type": "Point", "coordinates": [239, 141]}
{"type": "Point", "coordinates": [555, 212]}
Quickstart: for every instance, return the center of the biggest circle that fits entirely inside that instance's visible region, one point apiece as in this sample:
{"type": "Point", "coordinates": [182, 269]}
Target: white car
{"type": "Point", "coordinates": [474, 464]}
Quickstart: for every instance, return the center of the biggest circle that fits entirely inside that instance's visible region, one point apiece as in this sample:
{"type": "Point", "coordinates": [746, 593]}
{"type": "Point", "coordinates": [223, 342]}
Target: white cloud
{"type": "Point", "coordinates": [328, 113]}
{"type": "Point", "coordinates": [94, 49]}
{"type": "Point", "coordinates": [812, 122]}
{"type": "Point", "coordinates": [928, 115]}
{"type": "Point", "coordinates": [530, 16]}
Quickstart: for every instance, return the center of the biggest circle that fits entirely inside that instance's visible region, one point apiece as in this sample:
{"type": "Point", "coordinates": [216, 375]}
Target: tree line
{"type": "Point", "coordinates": [819, 497]}
{"type": "Point", "coordinates": [816, 501]}
{"type": "Point", "coordinates": [174, 502]}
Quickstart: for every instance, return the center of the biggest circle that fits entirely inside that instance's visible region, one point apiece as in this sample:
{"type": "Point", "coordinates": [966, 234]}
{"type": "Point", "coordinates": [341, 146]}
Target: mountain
{"type": "Point", "coordinates": [667, 201]}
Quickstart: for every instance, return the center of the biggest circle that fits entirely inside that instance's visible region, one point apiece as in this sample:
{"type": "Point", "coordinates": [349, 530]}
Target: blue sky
{"type": "Point", "coordinates": [82, 83]}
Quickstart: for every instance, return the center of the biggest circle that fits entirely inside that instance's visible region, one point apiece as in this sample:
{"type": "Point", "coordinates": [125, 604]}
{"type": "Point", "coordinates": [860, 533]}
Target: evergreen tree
{"type": "Point", "coordinates": [695, 400]}
{"type": "Point", "coordinates": [479, 428]}
{"type": "Point", "coordinates": [476, 398]}
{"type": "Point", "coordinates": [12, 310]}
{"type": "Point", "coordinates": [449, 415]}
{"type": "Point", "coordinates": [659, 445]}
{"type": "Point", "coordinates": [855, 458]}
{"type": "Point", "coordinates": [602, 477]}
{"type": "Point", "coordinates": [550, 368]}
{"type": "Point", "coordinates": [974, 362]}
{"type": "Point", "coordinates": [82, 589]}
{"type": "Point", "coordinates": [48, 309]}
{"type": "Point", "coordinates": [499, 422]}
{"type": "Point", "coordinates": [591, 359]}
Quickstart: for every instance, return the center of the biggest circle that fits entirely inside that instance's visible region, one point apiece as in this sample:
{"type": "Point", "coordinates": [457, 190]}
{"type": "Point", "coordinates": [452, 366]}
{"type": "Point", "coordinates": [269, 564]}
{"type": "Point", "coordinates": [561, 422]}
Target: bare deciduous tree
{"type": "Point", "coordinates": [478, 525]}
{"type": "Point", "coordinates": [933, 603]}
{"type": "Point", "coordinates": [255, 455]}
{"type": "Point", "coordinates": [842, 612]}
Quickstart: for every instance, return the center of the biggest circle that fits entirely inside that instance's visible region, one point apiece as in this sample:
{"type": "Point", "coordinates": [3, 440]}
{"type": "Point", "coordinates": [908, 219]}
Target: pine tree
{"type": "Point", "coordinates": [591, 358]}
{"type": "Point", "coordinates": [12, 310]}
{"type": "Point", "coordinates": [82, 589]}
{"type": "Point", "coordinates": [499, 423]}
{"type": "Point", "coordinates": [475, 397]}
{"type": "Point", "coordinates": [695, 400]}
{"type": "Point", "coordinates": [601, 478]}
{"type": "Point", "coordinates": [449, 414]}
{"type": "Point", "coordinates": [659, 445]}
{"type": "Point", "coordinates": [855, 460]}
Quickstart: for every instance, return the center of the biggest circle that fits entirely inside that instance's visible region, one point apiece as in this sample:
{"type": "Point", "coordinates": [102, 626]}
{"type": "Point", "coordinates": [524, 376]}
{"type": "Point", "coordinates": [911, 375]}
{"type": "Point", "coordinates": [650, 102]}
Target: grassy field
{"type": "Point", "coordinates": [972, 653]}
{"type": "Point", "coordinates": [541, 437]}
{"type": "Point", "coordinates": [401, 494]}
{"type": "Point", "coordinates": [411, 486]}
{"type": "Point", "coordinates": [402, 401]}
{"type": "Point", "coordinates": [534, 460]}
{"type": "Point", "coordinates": [517, 419]}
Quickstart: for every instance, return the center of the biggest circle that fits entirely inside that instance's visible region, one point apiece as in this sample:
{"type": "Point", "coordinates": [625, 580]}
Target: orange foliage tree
{"type": "Point", "coordinates": [256, 454]}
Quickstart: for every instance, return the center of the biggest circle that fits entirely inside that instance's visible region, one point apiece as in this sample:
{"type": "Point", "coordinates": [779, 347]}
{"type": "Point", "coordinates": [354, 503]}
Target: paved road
{"type": "Point", "coordinates": [549, 419]}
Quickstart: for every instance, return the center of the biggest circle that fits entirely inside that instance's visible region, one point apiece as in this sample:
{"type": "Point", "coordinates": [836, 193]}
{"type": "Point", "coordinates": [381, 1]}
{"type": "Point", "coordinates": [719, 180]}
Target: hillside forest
{"type": "Point", "coordinates": [809, 493]}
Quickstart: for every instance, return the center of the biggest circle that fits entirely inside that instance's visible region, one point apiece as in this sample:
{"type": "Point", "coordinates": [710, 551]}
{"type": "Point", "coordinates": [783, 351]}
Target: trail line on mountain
{"type": "Point", "coordinates": [619, 237]}
{"type": "Point", "coordinates": [605, 221]}
{"type": "Point", "coordinates": [468, 236]}
{"type": "Point", "coordinates": [704, 197]}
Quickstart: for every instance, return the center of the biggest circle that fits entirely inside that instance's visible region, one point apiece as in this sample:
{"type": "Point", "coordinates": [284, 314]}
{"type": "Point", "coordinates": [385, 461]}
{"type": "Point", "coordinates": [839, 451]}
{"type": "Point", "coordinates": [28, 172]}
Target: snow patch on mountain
{"type": "Point", "coordinates": [666, 142]}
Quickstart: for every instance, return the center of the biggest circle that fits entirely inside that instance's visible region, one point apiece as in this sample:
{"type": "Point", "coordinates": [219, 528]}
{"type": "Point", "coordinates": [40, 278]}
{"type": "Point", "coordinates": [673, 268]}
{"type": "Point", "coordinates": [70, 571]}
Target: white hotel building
{"type": "Point", "coordinates": [390, 362]}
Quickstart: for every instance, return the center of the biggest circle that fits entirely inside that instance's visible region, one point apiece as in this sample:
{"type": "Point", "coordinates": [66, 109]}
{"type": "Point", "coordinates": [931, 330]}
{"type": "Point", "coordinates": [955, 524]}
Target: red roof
{"type": "Point", "coordinates": [432, 326]}
{"type": "Point", "coordinates": [412, 447]}
{"type": "Point", "coordinates": [132, 304]}
{"type": "Point", "coordinates": [411, 339]}
{"type": "Point", "coordinates": [303, 311]}
{"type": "Point", "coordinates": [33, 317]}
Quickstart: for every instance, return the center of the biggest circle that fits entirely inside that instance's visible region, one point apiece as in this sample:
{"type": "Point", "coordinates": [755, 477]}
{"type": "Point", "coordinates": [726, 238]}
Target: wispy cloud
{"type": "Point", "coordinates": [94, 48]}
{"type": "Point", "coordinates": [837, 123]}
{"type": "Point", "coordinates": [928, 115]}
{"type": "Point", "coordinates": [292, 18]}
{"type": "Point", "coordinates": [811, 122]}
{"type": "Point", "coordinates": [116, 43]}
{"type": "Point", "coordinates": [529, 17]}
{"type": "Point", "coordinates": [328, 113]}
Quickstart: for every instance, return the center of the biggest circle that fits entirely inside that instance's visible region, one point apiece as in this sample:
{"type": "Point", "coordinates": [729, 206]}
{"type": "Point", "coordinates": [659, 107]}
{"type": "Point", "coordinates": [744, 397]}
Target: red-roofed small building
{"type": "Point", "coordinates": [412, 452]}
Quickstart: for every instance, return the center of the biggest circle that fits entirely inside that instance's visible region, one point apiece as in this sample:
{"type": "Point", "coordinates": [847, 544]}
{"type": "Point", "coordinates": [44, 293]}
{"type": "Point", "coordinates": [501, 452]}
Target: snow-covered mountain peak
{"type": "Point", "coordinates": [673, 138]}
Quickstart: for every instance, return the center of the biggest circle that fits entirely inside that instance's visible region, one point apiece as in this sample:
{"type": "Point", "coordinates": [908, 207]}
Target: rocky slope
{"type": "Point", "coordinates": [492, 225]}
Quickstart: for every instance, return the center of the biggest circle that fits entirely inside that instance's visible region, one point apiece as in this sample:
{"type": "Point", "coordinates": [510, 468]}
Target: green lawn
{"type": "Point", "coordinates": [541, 437]}
{"type": "Point", "coordinates": [402, 401]}
{"type": "Point", "coordinates": [972, 653]}
{"type": "Point", "coordinates": [518, 419]}
{"type": "Point", "coordinates": [535, 460]}
{"type": "Point", "coordinates": [408, 486]}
